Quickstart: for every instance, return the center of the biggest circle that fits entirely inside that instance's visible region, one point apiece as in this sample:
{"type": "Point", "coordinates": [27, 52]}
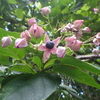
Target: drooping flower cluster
{"type": "Point", "coordinates": [74, 42]}
{"type": "Point", "coordinates": [96, 42]}
{"type": "Point", "coordinates": [49, 46]}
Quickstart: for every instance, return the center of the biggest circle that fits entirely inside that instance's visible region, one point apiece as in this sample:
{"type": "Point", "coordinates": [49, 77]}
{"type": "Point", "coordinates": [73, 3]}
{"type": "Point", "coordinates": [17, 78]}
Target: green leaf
{"type": "Point", "coordinates": [30, 87]}
{"type": "Point", "coordinates": [37, 61]}
{"type": "Point", "coordinates": [77, 74]}
{"type": "Point", "coordinates": [8, 33]}
{"type": "Point", "coordinates": [13, 52]}
{"type": "Point", "coordinates": [12, 1]}
{"type": "Point", "coordinates": [78, 5]}
{"type": "Point", "coordinates": [20, 68]}
{"type": "Point", "coordinates": [4, 60]}
{"type": "Point", "coordinates": [49, 63]}
{"type": "Point", "coordinates": [71, 61]}
{"type": "Point", "coordinates": [55, 11]}
{"type": "Point", "coordinates": [19, 13]}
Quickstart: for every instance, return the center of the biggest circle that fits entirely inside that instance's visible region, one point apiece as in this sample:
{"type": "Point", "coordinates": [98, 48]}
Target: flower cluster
{"type": "Point", "coordinates": [49, 46]}
{"type": "Point", "coordinates": [96, 42]}
{"type": "Point", "coordinates": [74, 41]}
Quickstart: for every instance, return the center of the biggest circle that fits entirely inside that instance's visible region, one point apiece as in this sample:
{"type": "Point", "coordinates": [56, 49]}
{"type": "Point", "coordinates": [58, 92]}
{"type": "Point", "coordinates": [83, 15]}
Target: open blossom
{"type": "Point", "coordinates": [32, 21]}
{"type": "Point", "coordinates": [49, 47]}
{"type": "Point", "coordinates": [86, 29]}
{"type": "Point", "coordinates": [73, 43]}
{"type": "Point", "coordinates": [6, 41]}
{"type": "Point", "coordinates": [78, 23]}
{"type": "Point", "coordinates": [21, 43]}
{"type": "Point", "coordinates": [26, 35]}
{"type": "Point", "coordinates": [45, 11]}
{"type": "Point", "coordinates": [36, 31]}
{"type": "Point", "coordinates": [61, 52]}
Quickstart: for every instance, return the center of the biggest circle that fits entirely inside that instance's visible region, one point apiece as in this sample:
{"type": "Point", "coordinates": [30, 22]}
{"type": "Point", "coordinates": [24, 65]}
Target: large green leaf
{"type": "Point", "coordinates": [8, 33]}
{"type": "Point", "coordinates": [13, 52]}
{"type": "Point", "coordinates": [77, 74]}
{"type": "Point", "coordinates": [71, 61]}
{"type": "Point", "coordinates": [30, 87]}
{"type": "Point", "coordinates": [20, 68]}
{"type": "Point", "coordinates": [4, 60]}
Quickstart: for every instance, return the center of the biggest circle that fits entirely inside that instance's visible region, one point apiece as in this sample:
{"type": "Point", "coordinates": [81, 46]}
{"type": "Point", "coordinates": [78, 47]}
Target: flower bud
{"type": "Point", "coordinates": [86, 30]}
{"type": "Point", "coordinates": [73, 43]}
{"type": "Point", "coordinates": [36, 31]}
{"type": "Point", "coordinates": [21, 43]}
{"type": "Point", "coordinates": [32, 21]}
{"type": "Point", "coordinates": [26, 35]}
{"type": "Point", "coordinates": [95, 10]}
{"type": "Point", "coordinates": [6, 41]}
{"type": "Point", "coordinates": [78, 24]}
{"type": "Point", "coordinates": [96, 51]}
{"type": "Point", "coordinates": [96, 41]}
{"type": "Point", "coordinates": [98, 35]}
{"type": "Point", "coordinates": [61, 52]}
{"type": "Point", "coordinates": [45, 11]}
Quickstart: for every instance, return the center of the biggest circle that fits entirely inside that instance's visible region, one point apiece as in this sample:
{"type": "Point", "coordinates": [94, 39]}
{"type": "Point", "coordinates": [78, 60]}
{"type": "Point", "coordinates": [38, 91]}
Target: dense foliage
{"type": "Point", "coordinates": [31, 69]}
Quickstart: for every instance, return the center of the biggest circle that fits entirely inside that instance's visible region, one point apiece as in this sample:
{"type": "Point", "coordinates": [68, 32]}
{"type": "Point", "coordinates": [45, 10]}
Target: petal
{"type": "Point", "coordinates": [53, 51]}
{"type": "Point", "coordinates": [56, 41]}
{"type": "Point", "coordinates": [46, 55]}
{"type": "Point", "coordinates": [46, 38]}
{"type": "Point", "coordinates": [42, 47]}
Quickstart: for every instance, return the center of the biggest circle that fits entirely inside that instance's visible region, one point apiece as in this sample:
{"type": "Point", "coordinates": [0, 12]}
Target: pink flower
{"type": "Point", "coordinates": [36, 31]}
{"type": "Point", "coordinates": [21, 43]}
{"type": "Point", "coordinates": [45, 11]}
{"type": "Point", "coordinates": [78, 23]}
{"type": "Point", "coordinates": [61, 52]}
{"type": "Point", "coordinates": [6, 41]}
{"type": "Point", "coordinates": [32, 21]}
{"type": "Point", "coordinates": [73, 43]}
{"type": "Point", "coordinates": [96, 41]}
{"type": "Point", "coordinates": [98, 35]}
{"type": "Point", "coordinates": [49, 47]}
{"type": "Point", "coordinates": [86, 29]}
{"type": "Point", "coordinates": [78, 34]}
{"type": "Point", "coordinates": [95, 10]}
{"type": "Point", "coordinates": [26, 35]}
{"type": "Point", "coordinates": [96, 51]}
{"type": "Point", "coordinates": [69, 26]}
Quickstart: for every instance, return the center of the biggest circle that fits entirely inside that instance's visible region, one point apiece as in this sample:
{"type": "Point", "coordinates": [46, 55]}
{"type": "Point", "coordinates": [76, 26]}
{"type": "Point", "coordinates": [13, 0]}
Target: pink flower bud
{"type": "Point", "coordinates": [45, 11]}
{"type": "Point", "coordinates": [96, 51]}
{"type": "Point", "coordinates": [95, 10]}
{"type": "Point", "coordinates": [6, 41]}
{"type": "Point", "coordinates": [69, 27]}
{"type": "Point", "coordinates": [86, 29]}
{"type": "Point", "coordinates": [21, 43]}
{"type": "Point", "coordinates": [78, 34]}
{"type": "Point", "coordinates": [98, 35]}
{"type": "Point", "coordinates": [78, 24]}
{"type": "Point", "coordinates": [32, 21]}
{"type": "Point", "coordinates": [36, 31]}
{"type": "Point", "coordinates": [61, 52]}
{"type": "Point", "coordinates": [73, 43]}
{"type": "Point", "coordinates": [26, 35]}
{"type": "Point", "coordinates": [96, 41]}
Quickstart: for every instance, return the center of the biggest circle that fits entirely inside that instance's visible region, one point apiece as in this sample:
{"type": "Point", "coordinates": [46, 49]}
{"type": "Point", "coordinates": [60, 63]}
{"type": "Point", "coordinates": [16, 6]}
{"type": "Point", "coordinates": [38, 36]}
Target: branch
{"type": "Point", "coordinates": [91, 56]}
